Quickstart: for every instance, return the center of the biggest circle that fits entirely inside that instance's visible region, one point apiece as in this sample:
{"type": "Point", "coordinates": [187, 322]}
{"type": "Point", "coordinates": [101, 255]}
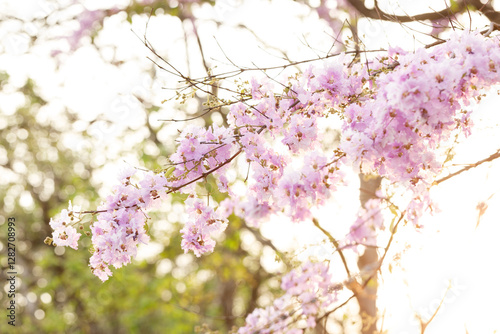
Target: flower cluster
{"type": "Point", "coordinates": [309, 186]}
{"type": "Point", "coordinates": [120, 224]}
{"type": "Point", "coordinates": [203, 221]}
{"type": "Point", "coordinates": [365, 227]}
{"type": "Point", "coordinates": [299, 175]}
{"type": "Point", "coordinates": [201, 152]}
{"type": "Point", "coordinates": [309, 291]}
{"type": "Point", "coordinates": [415, 108]}
{"type": "Point", "coordinates": [396, 117]}
{"type": "Point", "coordinates": [65, 233]}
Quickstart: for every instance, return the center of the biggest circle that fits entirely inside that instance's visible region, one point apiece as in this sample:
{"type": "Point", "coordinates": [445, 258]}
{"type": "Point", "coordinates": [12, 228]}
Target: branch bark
{"type": "Point", "coordinates": [486, 9]}
{"type": "Point", "coordinates": [378, 14]}
{"type": "Point", "coordinates": [460, 7]}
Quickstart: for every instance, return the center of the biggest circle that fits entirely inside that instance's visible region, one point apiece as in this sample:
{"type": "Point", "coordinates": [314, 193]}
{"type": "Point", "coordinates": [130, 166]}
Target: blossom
{"type": "Point", "coordinates": [301, 133]}
{"type": "Point", "coordinates": [120, 225]}
{"type": "Point", "coordinates": [201, 224]}
{"type": "Point", "coordinates": [369, 222]}
{"type": "Point", "coordinates": [309, 290]}
{"type": "Point", "coordinates": [416, 108]}
{"type": "Point", "coordinates": [199, 151]}
{"type": "Point", "coordinates": [65, 234]}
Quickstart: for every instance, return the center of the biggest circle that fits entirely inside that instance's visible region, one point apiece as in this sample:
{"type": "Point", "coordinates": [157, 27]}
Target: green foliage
{"type": "Point", "coordinates": [216, 290]}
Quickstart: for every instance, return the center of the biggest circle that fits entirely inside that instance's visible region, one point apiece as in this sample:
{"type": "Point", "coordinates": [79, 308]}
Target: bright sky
{"type": "Point", "coordinates": [450, 250]}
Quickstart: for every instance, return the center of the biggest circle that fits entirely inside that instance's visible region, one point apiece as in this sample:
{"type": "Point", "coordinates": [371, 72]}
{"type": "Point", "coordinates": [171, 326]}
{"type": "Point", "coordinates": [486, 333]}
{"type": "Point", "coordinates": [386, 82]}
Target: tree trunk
{"type": "Point", "coordinates": [367, 262]}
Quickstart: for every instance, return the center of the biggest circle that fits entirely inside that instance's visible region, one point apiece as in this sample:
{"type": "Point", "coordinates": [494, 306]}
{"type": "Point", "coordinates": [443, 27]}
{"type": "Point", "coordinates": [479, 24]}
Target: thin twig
{"type": "Point", "coordinates": [488, 159]}
{"type": "Point", "coordinates": [335, 243]}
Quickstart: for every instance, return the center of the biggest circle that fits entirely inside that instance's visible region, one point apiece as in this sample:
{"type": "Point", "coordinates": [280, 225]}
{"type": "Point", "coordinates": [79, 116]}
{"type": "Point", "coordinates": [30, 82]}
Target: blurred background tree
{"type": "Point", "coordinates": [51, 154]}
{"type": "Point", "coordinates": [61, 141]}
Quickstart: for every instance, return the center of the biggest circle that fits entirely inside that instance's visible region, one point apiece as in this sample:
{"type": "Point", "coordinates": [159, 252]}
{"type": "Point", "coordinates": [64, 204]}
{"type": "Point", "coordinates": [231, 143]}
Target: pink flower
{"type": "Point", "coordinates": [65, 234]}
{"type": "Point", "coordinates": [365, 229]}
{"type": "Point", "coordinates": [202, 223]}
{"type": "Point", "coordinates": [309, 290]}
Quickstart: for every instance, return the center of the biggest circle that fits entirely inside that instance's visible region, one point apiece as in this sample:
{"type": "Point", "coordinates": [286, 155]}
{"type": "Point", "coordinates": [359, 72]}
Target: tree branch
{"type": "Point", "coordinates": [486, 9]}
{"type": "Point", "coordinates": [336, 244]}
{"type": "Point", "coordinates": [377, 14]}
{"type": "Point", "coordinates": [470, 166]}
